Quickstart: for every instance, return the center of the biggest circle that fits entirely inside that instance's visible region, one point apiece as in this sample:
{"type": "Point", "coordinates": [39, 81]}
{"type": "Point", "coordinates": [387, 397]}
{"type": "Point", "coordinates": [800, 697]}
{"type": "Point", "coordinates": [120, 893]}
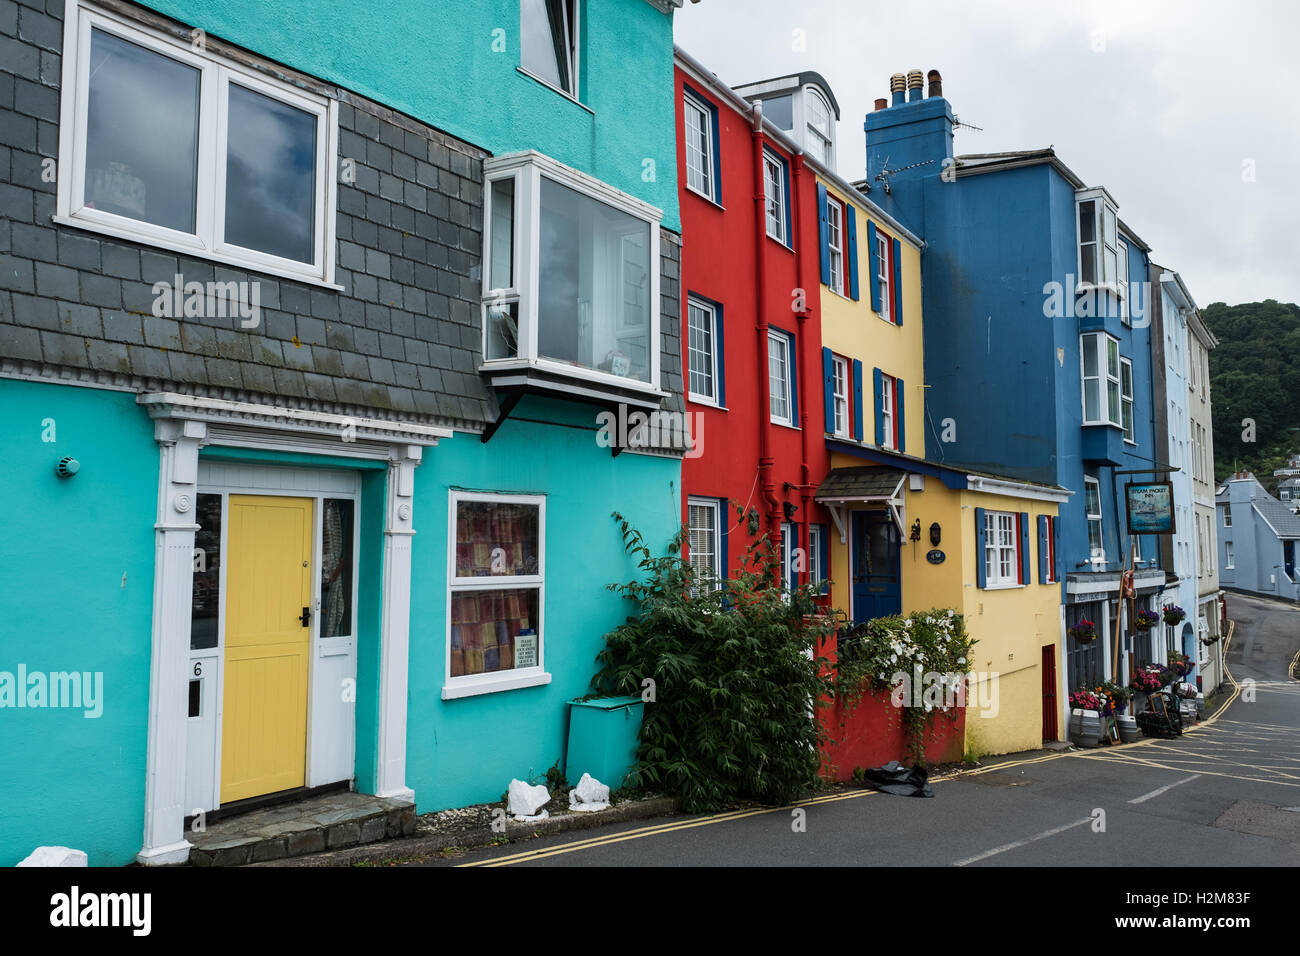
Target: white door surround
{"type": "Point", "coordinates": [182, 425]}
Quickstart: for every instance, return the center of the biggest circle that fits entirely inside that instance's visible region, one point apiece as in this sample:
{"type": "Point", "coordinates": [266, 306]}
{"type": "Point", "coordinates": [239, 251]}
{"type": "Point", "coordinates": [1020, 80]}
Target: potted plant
{"type": "Point", "coordinates": [1085, 632]}
{"type": "Point", "coordinates": [1174, 615]}
{"type": "Point", "coordinates": [1180, 665]}
{"type": "Point", "coordinates": [1087, 726]}
{"type": "Point", "coordinates": [1146, 620]}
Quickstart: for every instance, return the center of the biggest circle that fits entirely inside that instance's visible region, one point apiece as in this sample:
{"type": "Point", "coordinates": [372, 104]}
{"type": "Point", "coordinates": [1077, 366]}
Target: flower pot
{"type": "Point", "coordinates": [1087, 727]}
{"type": "Point", "coordinates": [1128, 728]}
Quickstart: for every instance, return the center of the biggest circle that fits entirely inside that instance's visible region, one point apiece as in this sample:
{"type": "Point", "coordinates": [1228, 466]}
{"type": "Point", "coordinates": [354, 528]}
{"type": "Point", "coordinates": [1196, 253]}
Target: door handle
{"type": "Point", "coordinates": [305, 616]}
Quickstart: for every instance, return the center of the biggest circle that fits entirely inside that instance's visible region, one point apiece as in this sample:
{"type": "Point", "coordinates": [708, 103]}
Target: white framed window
{"type": "Point", "coordinates": [1102, 389]}
{"type": "Point", "coordinates": [571, 285]}
{"type": "Point", "coordinates": [496, 593]}
{"type": "Point", "coordinates": [548, 42]}
{"type": "Point", "coordinates": [703, 521]}
{"type": "Point", "coordinates": [774, 174]}
{"type": "Point", "coordinates": [1092, 502]}
{"type": "Point", "coordinates": [1098, 238]}
{"type": "Point", "coordinates": [884, 275]}
{"type": "Point", "coordinates": [1227, 517]}
{"type": "Point", "coordinates": [788, 538]}
{"type": "Point", "coordinates": [840, 394]}
{"type": "Point", "coordinates": [780, 377]}
{"type": "Point", "coordinates": [1228, 563]}
{"type": "Point", "coordinates": [1050, 545]}
{"type": "Point", "coordinates": [1122, 283]}
{"type": "Point", "coordinates": [703, 358]}
{"type": "Point", "coordinates": [816, 573]}
{"type": "Point", "coordinates": [700, 147]}
{"type": "Point", "coordinates": [171, 146]}
{"type": "Point", "coordinates": [1001, 549]}
{"type": "Point", "coordinates": [1126, 399]}
{"type": "Point", "coordinates": [888, 403]}
{"type": "Point", "coordinates": [835, 242]}
{"type": "Point", "coordinates": [820, 142]}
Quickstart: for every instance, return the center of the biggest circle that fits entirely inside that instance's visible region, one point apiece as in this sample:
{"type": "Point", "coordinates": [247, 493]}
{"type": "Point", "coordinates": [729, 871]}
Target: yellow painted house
{"type": "Point", "coordinates": [911, 534]}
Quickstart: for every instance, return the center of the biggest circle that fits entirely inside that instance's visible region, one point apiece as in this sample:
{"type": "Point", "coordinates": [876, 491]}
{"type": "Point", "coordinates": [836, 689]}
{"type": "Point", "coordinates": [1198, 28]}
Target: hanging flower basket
{"type": "Point", "coordinates": [1146, 620]}
{"type": "Point", "coordinates": [1174, 615]}
{"type": "Point", "coordinates": [1085, 632]}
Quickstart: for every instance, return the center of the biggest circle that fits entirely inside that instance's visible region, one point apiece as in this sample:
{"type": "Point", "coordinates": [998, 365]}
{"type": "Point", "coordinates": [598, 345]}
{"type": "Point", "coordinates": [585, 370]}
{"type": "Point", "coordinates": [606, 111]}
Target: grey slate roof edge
{"type": "Point", "coordinates": [119, 382]}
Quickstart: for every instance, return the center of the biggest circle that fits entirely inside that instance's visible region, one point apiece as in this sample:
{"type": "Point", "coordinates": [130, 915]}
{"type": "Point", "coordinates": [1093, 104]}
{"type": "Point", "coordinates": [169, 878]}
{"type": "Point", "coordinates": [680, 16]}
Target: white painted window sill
{"type": "Point", "coordinates": [473, 687]}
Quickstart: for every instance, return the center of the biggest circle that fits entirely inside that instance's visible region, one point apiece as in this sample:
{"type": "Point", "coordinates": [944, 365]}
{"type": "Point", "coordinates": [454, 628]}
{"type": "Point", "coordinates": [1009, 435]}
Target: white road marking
{"type": "Point", "coordinates": [1155, 793]}
{"type": "Point", "coordinates": [1011, 846]}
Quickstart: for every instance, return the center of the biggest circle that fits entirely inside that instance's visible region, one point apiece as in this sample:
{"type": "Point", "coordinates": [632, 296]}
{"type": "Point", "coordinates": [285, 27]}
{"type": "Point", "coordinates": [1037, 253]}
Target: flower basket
{"type": "Point", "coordinates": [1174, 615]}
{"type": "Point", "coordinates": [1085, 632]}
{"type": "Point", "coordinates": [1146, 620]}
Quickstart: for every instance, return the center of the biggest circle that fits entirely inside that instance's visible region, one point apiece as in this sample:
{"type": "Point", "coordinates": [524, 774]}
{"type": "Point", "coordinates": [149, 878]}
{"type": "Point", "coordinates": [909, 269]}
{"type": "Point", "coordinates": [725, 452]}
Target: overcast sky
{"type": "Point", "coordinates": [1169, 104]}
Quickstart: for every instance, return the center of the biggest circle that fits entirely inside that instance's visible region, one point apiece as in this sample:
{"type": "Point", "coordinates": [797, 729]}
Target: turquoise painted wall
{"type": "Point", "coordinates": [76, 593]}
{"type": "Point", "coordinates": [434, 60]}
{"type": "Point", "coordinates": [465, 751]}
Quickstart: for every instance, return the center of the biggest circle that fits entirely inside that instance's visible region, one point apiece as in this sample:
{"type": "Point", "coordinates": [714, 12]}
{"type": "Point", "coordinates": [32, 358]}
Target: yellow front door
{"type": "Point", "coordinates": [268, 584]}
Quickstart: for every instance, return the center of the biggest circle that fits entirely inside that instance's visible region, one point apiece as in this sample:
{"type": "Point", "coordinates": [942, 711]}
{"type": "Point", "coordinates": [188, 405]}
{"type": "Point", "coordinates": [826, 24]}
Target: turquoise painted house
{"type": "Point", "coordinates": [303, 410]}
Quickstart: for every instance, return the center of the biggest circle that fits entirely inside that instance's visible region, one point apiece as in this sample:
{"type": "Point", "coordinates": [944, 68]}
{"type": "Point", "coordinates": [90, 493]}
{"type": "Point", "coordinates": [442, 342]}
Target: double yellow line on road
{"type": "Point", "coordinates": [675, 826]}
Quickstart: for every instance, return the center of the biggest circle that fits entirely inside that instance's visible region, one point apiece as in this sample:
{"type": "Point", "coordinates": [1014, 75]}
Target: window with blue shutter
{"type": "Point", "coordinates": [898, 282]}
{"type": "Point", "coordinates": [824, 556]}
{"type": "Point", "coordinates": [1024, 547]}
{"type": "Point", "coordinates": [824, 234]}
{"type": "Point", "coordinates": [876, 380]}
{"type": "Point", "coordinates": [981, 558]}
{"type": "Point", "coordinates": [851, 218]}
{"type": "Point", "coordinates": [857, 400]}
{"type": "Point", "coordinates": [900, 419]}
{"type": "Point", "coordinates": [828, 389]}
{"type": "Point", "coordinates": [873, 261]}
{"type": "Point", "coordinates": [724, 527]}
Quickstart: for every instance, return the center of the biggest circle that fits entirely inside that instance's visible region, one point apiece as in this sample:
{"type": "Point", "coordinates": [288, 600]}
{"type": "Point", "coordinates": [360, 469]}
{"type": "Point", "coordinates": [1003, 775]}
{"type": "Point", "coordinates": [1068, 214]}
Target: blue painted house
{"type": "Point", "coordinates": [1258, 536]}
{"type": "Point", "coordinates": [1037, 347]}
{"type": "Point", "coordinates": [304, 410]}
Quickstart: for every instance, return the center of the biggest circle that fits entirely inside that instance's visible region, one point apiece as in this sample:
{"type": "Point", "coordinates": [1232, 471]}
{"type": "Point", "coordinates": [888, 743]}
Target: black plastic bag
{"type": "Point", "coordinates": [894, 778]}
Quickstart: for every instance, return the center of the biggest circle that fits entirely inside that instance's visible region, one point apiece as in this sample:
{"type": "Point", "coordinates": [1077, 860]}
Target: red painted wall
{"type": "Point", "coordinates": [720, 261]}
{"type": "Point", "coordinates": [870, 734]}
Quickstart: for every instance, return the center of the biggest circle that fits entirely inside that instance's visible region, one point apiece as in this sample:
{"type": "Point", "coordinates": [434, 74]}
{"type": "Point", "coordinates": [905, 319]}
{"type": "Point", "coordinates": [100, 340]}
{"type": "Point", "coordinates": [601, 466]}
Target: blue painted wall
{"type": "Point", "coordinates": [999, 365]}
{"type": "Point", "coordinates": [76, 588]}
{"type": "Point", "coordinates": [466, 751]}
{"type": "Point", "coordinates": [435, 60]}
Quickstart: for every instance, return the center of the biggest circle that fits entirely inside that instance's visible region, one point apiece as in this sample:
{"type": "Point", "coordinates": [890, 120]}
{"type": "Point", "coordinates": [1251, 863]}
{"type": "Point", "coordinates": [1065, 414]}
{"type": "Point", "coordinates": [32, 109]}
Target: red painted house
{"type": "Point", "coordinates": [751, 330]}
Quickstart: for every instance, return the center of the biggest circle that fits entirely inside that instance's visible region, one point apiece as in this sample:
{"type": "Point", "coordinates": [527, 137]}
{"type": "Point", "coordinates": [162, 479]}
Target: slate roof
{"type": "Point", "coordinates": [859, 483]}
{"type": "Point", "coordinates": [1279, 516]}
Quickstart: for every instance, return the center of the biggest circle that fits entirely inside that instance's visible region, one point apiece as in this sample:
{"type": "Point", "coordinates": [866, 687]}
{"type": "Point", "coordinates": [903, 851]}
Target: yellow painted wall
{"type": "Point", "coordinates": [1011, 625]}
{"type": "Point", "coordinates": [856, 331]}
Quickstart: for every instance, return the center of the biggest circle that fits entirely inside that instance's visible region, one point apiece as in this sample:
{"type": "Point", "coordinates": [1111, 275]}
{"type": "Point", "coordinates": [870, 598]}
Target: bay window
{"type": "Point", "coordinates": [174, 146]}
{"type": "Point", "coordinates": [1102, 388]}
{"type": "Point", "coordinates": [496, 588]}
{"type": "Point", "coordinates": [572, 279]}
{"type": "Point", "coordinates": [1098, 238]}
{"type": "Point", "coordinates": [1126, 399]}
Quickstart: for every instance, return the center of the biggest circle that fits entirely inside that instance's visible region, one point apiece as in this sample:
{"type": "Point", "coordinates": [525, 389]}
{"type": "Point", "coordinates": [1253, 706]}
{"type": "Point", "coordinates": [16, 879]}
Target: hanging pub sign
{"type": "Point", "coordinates": [1150, 507]}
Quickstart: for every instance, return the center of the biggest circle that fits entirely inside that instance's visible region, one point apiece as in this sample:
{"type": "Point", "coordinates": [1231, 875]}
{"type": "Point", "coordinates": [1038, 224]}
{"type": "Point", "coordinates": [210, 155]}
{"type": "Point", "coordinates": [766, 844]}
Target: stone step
{"type": "Point", "coordinates": [327, 822]}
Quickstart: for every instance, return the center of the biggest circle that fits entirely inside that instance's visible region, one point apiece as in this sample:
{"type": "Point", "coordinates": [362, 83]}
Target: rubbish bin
{"type": "Point", "coordinates": [603, 737]}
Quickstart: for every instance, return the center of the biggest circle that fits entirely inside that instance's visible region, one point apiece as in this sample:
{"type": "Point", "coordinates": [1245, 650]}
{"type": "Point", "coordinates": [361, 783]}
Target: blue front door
{"type": "Point", "coordinates": [1288, 556]}
{"type": "Point", "coordinates": [875, 566]}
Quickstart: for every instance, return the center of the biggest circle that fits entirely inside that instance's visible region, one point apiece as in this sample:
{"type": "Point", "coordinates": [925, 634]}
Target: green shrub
{"type": "Point", "coordinates": [730, 714]}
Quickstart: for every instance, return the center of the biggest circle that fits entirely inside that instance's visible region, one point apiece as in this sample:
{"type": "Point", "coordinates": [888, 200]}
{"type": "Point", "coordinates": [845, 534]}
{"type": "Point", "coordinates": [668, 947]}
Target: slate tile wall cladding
{"type": "Point", "coordinates": [401, 341]}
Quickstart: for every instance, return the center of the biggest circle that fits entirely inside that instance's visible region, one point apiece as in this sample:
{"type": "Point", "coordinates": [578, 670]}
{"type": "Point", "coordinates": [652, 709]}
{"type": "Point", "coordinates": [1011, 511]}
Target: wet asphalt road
{"type": "Point", "coordinates": [1217, 796]}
